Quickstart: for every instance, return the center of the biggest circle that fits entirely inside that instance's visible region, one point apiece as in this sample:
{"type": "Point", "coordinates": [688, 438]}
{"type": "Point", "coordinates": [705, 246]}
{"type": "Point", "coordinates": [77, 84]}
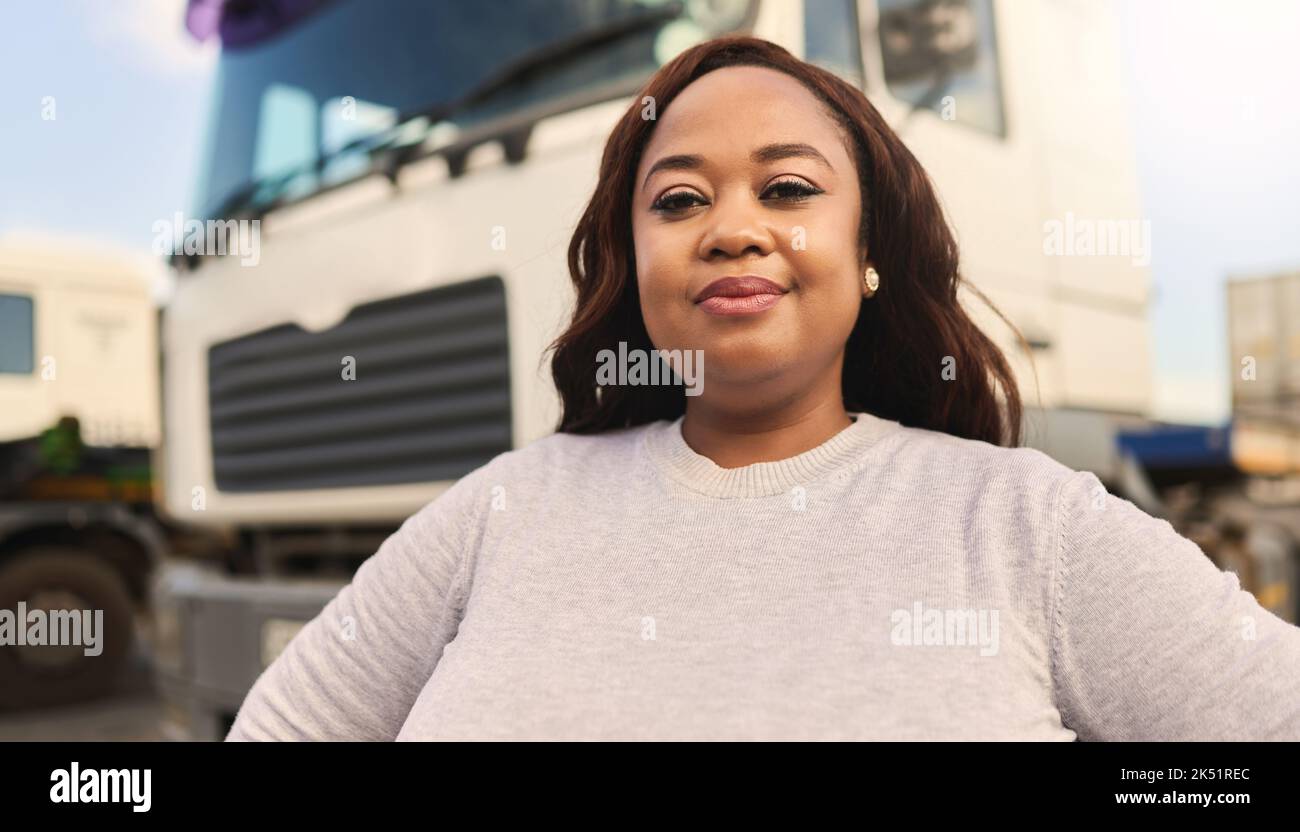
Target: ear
{"type": "Point", "coordinates": [864, 259]}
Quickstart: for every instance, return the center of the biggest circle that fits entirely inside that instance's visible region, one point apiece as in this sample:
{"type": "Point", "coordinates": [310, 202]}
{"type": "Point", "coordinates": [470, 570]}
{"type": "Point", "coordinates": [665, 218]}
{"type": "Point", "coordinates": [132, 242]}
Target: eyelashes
{"type": "Point", "coordinates": [793, 190]}
{"type": "Point", "coordinates": [675, 202]}
{"type": "Point", "coordinates": [786, 191]}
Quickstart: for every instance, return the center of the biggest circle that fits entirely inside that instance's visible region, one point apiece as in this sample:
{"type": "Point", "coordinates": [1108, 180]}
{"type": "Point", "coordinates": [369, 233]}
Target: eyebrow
{"type": "Point", "coordinates": [763, 155]}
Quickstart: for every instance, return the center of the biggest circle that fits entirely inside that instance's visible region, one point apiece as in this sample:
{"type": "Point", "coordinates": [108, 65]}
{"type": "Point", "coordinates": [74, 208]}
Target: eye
{"type": "Point", "coordinates": [791, 190]}
{"type": "Point", "coordinates": [675, 201]}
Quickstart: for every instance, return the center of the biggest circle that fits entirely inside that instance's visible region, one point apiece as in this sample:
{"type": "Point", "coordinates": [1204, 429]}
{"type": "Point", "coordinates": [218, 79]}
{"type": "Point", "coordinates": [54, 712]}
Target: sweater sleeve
{"type": "Point", "coordinates": [1152, 641]}
{"type": "Point", "coordinates": [355, 670]}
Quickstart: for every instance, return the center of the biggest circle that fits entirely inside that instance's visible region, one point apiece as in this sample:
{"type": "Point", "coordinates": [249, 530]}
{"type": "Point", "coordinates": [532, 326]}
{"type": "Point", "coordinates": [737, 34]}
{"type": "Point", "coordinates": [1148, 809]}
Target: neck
{"type": "Point", "coordinates": [736, 438]}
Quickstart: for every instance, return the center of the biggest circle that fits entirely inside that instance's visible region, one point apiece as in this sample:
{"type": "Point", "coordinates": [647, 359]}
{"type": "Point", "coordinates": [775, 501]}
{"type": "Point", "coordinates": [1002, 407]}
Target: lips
{"type": "Point", "coordinates": [741, 295]}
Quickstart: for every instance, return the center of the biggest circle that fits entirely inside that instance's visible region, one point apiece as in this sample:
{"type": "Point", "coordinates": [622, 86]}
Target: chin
{"type": "Point", "coordinates": [746, 362]}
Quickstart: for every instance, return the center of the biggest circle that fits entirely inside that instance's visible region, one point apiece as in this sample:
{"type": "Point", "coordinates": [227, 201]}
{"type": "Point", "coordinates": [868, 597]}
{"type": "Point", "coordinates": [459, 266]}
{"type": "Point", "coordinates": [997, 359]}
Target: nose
{"type": "Point", "coordinates": [736, 228]}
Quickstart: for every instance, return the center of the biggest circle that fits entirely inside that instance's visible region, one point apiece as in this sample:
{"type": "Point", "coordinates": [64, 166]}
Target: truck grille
{"type": "Point", "coordinates": [430, 400]}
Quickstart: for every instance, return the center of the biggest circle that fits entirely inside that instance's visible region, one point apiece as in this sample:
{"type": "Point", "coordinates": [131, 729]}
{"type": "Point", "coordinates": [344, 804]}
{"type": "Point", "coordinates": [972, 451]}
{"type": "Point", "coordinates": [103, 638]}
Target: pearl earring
{"type": "Point", "coordinates": [871, 280]}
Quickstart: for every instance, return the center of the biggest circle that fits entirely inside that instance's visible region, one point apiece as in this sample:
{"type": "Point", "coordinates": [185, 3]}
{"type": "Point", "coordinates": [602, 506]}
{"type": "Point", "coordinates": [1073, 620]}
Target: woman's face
{"type": "Point", "coordinates": [746, 174]}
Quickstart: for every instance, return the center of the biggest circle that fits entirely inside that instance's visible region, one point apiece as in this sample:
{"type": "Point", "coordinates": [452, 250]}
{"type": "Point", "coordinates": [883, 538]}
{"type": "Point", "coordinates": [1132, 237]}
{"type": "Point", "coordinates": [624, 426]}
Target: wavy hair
{"type": "Point", "coordinates": [904, 333]}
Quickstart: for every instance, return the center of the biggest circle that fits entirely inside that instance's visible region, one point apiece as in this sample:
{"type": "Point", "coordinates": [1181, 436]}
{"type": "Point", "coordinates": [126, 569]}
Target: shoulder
{"type": "Point", "coordinates": [1022, 487]}
{"type": "Point", "coordinates": [1008, 474]}
{"type": "Point", "coordinates": [560, 454]}
{"type": "Point", "coordinates": [551, 464]}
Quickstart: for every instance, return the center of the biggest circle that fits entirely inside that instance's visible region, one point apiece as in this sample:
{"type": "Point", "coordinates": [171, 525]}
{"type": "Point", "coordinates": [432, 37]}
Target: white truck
{"type": "Point", "coordinates": [79, 413]}
{"type": "Point", "coordinates": [417, 170]}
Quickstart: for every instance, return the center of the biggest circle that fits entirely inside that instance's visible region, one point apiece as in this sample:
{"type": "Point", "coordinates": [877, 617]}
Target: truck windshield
{"type": "Point", "coordinates": [356, 67]}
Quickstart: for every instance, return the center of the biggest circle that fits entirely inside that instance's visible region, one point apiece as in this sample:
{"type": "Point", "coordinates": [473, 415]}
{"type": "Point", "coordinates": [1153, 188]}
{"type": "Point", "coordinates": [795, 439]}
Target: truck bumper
{"type": "Point", "coordinates": [214, 635]}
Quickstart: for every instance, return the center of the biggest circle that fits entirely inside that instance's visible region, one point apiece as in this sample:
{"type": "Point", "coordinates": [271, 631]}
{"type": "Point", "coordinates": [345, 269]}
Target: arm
{"type": "Point", "coordinates": [354, 671]}
{"type": "Point", "coordinates": [1151, 641]}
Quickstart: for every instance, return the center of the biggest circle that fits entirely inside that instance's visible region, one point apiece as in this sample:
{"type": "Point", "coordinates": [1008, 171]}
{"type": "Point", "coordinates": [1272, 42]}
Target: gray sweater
{"type": "Point", "coordinates": [892, 583]}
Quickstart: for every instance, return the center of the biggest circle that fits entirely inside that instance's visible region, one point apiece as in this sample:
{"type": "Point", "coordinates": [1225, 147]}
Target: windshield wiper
{"type": "Point", "coordinates": [558, 52]}
{"type": "Point", "coordinates": [254, 198]}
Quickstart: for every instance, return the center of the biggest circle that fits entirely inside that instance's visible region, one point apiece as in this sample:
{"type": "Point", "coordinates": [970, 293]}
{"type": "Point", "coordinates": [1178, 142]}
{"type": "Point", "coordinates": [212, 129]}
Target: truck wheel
{"type": "Point", "coordinates": [62, 578]}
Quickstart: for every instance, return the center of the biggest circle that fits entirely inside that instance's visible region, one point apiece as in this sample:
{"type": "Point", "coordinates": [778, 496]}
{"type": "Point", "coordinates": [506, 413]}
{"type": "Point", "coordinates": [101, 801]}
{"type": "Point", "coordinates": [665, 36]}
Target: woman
{"type": "Point", "coordinates": [823, 535]}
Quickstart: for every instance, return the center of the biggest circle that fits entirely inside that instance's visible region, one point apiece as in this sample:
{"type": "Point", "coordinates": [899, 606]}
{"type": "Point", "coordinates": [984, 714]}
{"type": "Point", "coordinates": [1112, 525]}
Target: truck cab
{"type": "Point", "coordinates": [79, 418]}
{"type": "Point", "coordinates": [415, 171]}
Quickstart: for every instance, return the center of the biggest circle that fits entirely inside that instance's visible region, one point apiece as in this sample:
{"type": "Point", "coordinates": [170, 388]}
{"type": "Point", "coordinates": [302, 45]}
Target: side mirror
{"type": "Point", "coordinates": [922, 39]}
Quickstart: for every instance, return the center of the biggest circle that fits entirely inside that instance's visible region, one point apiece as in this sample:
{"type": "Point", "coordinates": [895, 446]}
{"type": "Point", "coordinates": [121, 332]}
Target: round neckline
{"type": "Point", "coordinates": [669, 450]}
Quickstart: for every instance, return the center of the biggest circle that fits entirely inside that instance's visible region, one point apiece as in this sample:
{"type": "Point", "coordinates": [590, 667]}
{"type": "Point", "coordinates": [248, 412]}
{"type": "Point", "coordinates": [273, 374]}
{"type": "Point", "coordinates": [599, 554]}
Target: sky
{"type": "Point", "coordinates": [129, 91]}
{"type": "Point", "coordinates": [1215, 126]}
{"type": "Point", "coordinates": [1217, 134]}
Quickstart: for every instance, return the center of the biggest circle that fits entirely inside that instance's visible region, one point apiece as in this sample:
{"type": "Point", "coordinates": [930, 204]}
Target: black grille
{"type": "Point", "coordinates": [430, 401]}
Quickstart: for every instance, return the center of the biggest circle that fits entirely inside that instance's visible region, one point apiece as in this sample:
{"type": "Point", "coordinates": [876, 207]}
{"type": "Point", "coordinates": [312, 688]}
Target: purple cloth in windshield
{"type": "Point", "coordinates": [245, 22]}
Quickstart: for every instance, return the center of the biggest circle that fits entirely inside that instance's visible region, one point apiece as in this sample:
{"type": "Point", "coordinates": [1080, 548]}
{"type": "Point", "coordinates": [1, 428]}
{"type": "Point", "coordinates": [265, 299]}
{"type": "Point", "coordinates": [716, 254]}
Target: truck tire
{"type": "Point", "coordinates": [63, 577]}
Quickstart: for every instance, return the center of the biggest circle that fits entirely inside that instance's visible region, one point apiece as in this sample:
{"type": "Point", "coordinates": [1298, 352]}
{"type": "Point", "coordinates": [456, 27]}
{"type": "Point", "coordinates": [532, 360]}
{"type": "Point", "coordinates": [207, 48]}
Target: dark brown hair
{"type": "Point", "coordinates": [904, 333]}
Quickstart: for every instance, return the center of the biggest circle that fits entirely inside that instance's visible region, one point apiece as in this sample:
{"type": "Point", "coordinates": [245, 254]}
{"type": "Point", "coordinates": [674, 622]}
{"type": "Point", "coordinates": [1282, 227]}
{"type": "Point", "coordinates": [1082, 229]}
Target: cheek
{"type": "Point", "coordinates": [827, 260]}
{"type": "Point", "coordinates": [830, 278]}
{"type": "Point", "coordinates": [662, 255]}
{"type": "Point", "coordinates": [659, 248]}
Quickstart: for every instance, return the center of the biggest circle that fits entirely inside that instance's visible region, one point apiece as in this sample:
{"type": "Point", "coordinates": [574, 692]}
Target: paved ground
{"type": "Point", "coordinates": [133, 712]}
